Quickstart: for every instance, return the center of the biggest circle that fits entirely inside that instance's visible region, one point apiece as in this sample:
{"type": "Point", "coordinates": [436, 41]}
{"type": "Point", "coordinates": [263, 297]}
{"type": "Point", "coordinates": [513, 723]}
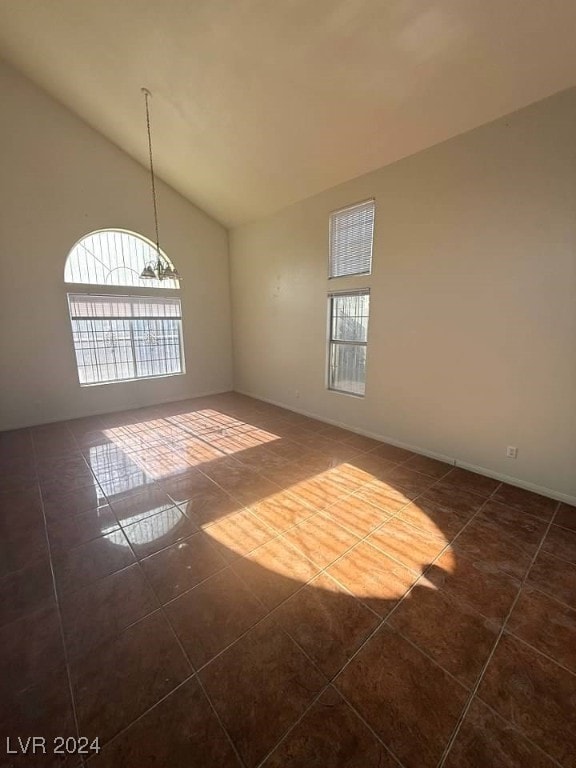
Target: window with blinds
{"type": "Point", "coordinates": [118, 338]}
{"type": "Point", "coordinates": [351, 236]}
{"type": "Point", "coordinates": [348, 338]}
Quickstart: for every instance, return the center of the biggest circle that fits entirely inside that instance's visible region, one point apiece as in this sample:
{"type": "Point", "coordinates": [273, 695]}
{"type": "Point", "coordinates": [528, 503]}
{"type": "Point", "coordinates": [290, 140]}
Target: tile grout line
{"type": "Point", "coordinates": [323, 571]}
{"type": "Point", "coordinates": [379, 625]}
{"type": "Point", "coordinates": [522, 735]}
{"type": "Point", "coordinates": [326, 511]}
{"type": "Point", "coordinates": [480, 678]}
{"type": "Point", "coordinates": [545, 655]}
{"type": "Point", "coordinates": [57, 601]}
{"type": "Point", "coordinates": [194, 672]}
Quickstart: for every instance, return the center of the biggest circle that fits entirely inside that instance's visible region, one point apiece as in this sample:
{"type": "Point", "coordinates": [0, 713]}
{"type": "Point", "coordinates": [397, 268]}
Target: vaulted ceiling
{"type": "Point", "coordinates": [259, 103]}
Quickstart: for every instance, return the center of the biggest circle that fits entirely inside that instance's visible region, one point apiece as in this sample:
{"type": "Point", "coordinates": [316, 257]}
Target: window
{"type": "Point", "coordinates": [348, 336]}
{"type": "Point", "coordinates": [351, 235]}
{"type": "Point", "coordinates": [118, 337]}
{"type": "Point", "coordinates": [114, 257]}
{"type": "Point", "coordinates": [125, 337]}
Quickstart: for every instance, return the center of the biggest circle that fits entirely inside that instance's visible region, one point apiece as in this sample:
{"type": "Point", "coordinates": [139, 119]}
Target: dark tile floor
{"type": "Point", "coordinates": [220, 582]}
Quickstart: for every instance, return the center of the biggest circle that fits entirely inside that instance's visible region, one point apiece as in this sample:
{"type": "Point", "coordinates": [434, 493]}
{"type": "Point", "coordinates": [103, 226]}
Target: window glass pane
{"type": "Point", "coordinates": [348, 367]}
{"type": "Point", "coordinates": [350, 317]}
{"type": "Point", "coordinates": [114, 257]}
{"type": "Point", "coordinates": [120, 347]}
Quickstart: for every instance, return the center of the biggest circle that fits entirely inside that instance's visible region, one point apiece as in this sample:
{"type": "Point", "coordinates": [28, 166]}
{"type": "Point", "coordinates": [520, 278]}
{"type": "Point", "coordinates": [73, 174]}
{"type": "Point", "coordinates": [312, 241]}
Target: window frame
{"type": "Point", "coordinates": [134, 360]}
{"type": "Point", "coordinates": [331, 218]}
{"type": "Point", "coordinates": [118, 291]}
{"type": "Point", "coordinates": [333, 343]}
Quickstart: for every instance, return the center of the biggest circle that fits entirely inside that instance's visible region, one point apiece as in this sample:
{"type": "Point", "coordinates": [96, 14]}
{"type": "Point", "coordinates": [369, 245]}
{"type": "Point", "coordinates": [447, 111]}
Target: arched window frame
{"type": "Point", "coordinates": [159, 296]}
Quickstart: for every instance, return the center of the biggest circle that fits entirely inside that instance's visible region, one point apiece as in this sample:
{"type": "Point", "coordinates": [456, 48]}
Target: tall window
{"type": "Point", "coordinates": [118, 337]}
{"type": "Point", "coordinates": [348, 336]}
{"type": "Point", "coordinates": [351, 236]}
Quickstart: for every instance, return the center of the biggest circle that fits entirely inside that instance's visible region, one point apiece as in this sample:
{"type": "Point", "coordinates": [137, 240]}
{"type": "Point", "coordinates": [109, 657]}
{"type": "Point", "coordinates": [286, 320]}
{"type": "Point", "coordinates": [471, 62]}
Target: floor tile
{"type": "Point", "coordinates": [21, 549]}
{"type": "Point", "coordinates": [259, 687]}
{"type": "Point", "coordinates": [275, 571]}
{"type": "Point", "coordinates": [74, 530]}
{"type": "Point", "coordinates": [561, 543]}
{"type": "Point", "coordinates": [209, 504]}
{"type": "Point", "coordinates": [318, 492]}
{"type": "Point", "coordinates": [356, 515]}
{"type": "Point", "coordinates": [76, 568]}
{"type": "Point", "coordinates": [382, 494]}
{"type": "Point", "coordinates": [526, 501]}
{"type": "Point", "coordinates": [330, 735]}
{"type": "Point", "coordinates": [514, 522]}
{"type": "Point", "coordinates": [25, 591]}
{"type": "Point", "coordinates": [321, 539]}
{"type": "Point", "coordinates": [59, 503]}
{"type": "Point", "coordinates": [485, 739]}
{"type": "Point", "coordinates": [446, 497]}
{"type": "Point", "coordinates": [282, 511]}
{"type": "Point", "coordinates": [17, 481]}
{"type": "Point", "coordinates": [412, 547]}
{"type": "Point", "coordinates": [483, 542]}
{"type": "Point", "coordinates": [535, 695]}
{"type": "Point", "coordinates": [213, 615]}
{"type": "Point", "coordinates": [409, 481]}
{"type": "Point", "coordinates": [471, 481]}
{"type": "Point", "coordinates": [361, 442]}
{"type": "Point", "coordinates": [182, 566]}
{"type": "Point", "coordinates": [453, 634]}
{"type": "Point", "coordinates": [555, 577]}
{"type": "Point", "coordinates": [239, 534]}
{"type": "Point", "coordinates": [392, 452]}
{"type": "Point", "coordinates": [129, 673]}
{"type": "Point", "coordinates": [411, 703]}
{"type": "Point", "coordinates": [428, 466]}
{"type": "Point", "coordinates": [21, 511]}
{"type": "Point", "coordinates": [233, 506]}
{"type": "Point", "coordinates": [105, 608]}
{"type": "Point", "coordinates": [433, 519]}
{"type": "Point", "coordinates": [546, 624]}
{"type": "Point", "coordinates": [30, 647]}
{"type": "Point", "coordinates": [43, 709]}
{"type": "Point", "coordinates": [64, 469]}
{"type": "Point", "coordinates": [373, 577]}
{"type": "Point", "coordinates": [181, 731]}
{"type": "Point", "coordinates": [374, 467]}
{"type": "Point", "coordinates": [327, 622]}
{"type": "Point", "coordinates": [140, 504]}
{"type": "Point", "coordinates": [159, 531]}
{"type": "Point", "coordinates": [489, 591]}
{"type": "Point", "coordinates": [566, 516]}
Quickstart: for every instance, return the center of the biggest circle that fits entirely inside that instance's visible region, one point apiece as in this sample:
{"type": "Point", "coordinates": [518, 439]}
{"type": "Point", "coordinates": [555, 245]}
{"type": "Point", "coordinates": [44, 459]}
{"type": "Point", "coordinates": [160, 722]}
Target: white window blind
{"type": "Point", "coordinates": [83, 305]}
{"type": "Point", "coordinates": [117, 338]}
{"type": "Point", "coordinates": [351, 236]}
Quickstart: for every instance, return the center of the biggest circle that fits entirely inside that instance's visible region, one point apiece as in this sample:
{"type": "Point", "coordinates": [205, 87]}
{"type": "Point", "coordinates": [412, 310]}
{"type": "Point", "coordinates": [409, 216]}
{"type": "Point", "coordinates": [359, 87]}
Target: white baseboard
{"type": "Point", "coordinates": [551, 493]}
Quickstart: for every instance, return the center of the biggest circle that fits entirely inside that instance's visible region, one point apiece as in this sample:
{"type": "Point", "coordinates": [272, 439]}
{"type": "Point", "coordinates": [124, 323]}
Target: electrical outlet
{"type": "Point", "coordinates": [511, 452]}
{"type": "Point", "coordinates": [297, 393]}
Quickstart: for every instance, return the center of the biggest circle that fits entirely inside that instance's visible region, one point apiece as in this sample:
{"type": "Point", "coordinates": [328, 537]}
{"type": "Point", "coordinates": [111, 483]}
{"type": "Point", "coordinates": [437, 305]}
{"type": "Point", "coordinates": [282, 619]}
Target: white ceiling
{"type": "Point", "coordinates": [259, 103]}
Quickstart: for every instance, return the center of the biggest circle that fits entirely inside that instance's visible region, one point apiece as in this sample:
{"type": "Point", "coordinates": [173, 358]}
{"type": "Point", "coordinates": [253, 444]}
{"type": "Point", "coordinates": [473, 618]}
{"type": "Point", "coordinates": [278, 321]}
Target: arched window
{"type": "Point", "coordinates": [122, 337]}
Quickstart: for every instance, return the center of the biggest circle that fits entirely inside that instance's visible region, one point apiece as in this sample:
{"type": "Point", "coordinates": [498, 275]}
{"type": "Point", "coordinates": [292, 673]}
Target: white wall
{"type": "Point", "coordinates": [59, 180]}
{"type": "Point", "coordinates": [472, 339]}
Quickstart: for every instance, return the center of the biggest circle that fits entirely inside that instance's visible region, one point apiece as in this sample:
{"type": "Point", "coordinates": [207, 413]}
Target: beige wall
{"type": "Point", "coordinates": [472, 339]}
{"type": "Point", "coordinates": [59, 179]}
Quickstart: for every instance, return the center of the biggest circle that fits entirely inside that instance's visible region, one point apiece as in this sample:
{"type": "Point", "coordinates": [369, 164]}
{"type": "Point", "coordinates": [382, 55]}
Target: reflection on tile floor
{"type": "Point", "coordinates": [221, 582]}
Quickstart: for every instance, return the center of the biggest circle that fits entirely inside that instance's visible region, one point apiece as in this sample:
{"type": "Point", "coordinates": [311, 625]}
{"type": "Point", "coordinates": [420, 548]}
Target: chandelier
{"type": "Point", "coordinates": [160, 268]}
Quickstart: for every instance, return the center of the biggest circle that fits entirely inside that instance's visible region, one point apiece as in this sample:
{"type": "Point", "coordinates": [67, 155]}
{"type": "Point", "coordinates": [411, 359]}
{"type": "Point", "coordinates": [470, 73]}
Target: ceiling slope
{"type": "Point", "coordinates": [259, 103]}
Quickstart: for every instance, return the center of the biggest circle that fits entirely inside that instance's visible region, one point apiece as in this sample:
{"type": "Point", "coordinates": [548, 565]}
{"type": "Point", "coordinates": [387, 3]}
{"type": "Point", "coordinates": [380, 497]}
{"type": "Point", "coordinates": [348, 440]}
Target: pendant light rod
{"type": "Point", "coordinates": [147, 95]}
